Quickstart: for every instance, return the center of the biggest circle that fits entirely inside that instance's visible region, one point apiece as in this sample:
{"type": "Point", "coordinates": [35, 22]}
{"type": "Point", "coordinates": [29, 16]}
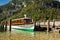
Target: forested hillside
{"type": "Point", "coordinates": [36, 9]}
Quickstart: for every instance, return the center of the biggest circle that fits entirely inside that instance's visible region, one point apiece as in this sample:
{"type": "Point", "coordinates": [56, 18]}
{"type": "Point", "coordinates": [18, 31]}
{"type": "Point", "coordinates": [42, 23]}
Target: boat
{"type": "Point", "coordinates": [25, 24]}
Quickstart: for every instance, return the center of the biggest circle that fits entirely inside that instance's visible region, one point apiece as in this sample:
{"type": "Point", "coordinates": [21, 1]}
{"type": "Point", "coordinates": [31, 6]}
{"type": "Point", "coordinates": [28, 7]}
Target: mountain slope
{"type": "Point", "coordinates": [36, 9]}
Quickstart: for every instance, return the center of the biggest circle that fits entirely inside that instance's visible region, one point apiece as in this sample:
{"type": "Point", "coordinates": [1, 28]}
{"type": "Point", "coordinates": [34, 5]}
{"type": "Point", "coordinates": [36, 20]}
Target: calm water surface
{"type": "Point", "coordinates": [24, 35]}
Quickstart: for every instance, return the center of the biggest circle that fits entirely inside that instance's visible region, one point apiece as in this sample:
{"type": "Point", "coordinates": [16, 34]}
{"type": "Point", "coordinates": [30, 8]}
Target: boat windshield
{"type": "Point", "coordinates": [28, 20]}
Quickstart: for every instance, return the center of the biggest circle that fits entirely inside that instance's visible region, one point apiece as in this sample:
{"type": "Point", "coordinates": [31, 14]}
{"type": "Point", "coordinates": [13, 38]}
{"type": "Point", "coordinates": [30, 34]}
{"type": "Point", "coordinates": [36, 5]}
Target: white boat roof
{"type": "Point", "coordinates": [20, 18]}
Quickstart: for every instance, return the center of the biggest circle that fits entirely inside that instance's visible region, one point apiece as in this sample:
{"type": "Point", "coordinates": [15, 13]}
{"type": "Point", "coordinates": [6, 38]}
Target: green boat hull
{"type": "Point", "coordinates": [31, 30]}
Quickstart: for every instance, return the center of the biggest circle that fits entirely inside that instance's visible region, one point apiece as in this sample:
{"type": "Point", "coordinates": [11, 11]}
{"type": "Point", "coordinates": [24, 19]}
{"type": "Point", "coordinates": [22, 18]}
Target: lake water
{"type": "Point", "coordinates": [25, 35]}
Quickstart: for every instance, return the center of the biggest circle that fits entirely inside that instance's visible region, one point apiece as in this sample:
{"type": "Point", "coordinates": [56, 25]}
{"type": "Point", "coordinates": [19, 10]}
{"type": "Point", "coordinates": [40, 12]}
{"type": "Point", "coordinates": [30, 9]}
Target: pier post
{"type": "Point", "coordinates": [53, 23]}
{"type": "Point", "coordinates": [53, 28]}
{"type": "Point", "coordinates": [10, 26]}
{"type": "Point", "coordinates": [35, 26]}
{"type": "Point", "coordinates": [48, 25]}
{"type": "Point", "coordinates": [5, 29]}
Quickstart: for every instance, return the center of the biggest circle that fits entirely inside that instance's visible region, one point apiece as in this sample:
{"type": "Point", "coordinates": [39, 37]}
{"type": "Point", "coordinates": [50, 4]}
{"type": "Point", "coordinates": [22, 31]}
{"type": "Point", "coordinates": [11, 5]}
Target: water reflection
{"type": "Point", "coordinates": [25, 35]}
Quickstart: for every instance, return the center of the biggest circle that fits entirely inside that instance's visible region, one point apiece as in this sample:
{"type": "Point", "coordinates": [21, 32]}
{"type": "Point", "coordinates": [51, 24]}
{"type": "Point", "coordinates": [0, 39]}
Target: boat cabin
{"type": "Point", "coordinates": [21, 21]}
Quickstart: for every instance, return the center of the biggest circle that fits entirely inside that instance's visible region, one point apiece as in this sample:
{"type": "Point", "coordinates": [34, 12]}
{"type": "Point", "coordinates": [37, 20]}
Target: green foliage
{"type": "Point", "coordinates": [36, 9]}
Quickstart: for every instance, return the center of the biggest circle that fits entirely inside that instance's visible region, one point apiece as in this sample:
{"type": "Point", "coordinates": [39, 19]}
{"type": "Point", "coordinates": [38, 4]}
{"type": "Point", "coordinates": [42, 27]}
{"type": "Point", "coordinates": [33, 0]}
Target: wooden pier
{"type": "Point", "coordinates": [48, 25]}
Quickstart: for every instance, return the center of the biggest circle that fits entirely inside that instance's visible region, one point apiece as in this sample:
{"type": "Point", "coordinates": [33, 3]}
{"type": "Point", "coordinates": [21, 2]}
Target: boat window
{"type": "Point", "coordinates": [20, 21]}
{"type": "Point", "coordinates": [17, 22]}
